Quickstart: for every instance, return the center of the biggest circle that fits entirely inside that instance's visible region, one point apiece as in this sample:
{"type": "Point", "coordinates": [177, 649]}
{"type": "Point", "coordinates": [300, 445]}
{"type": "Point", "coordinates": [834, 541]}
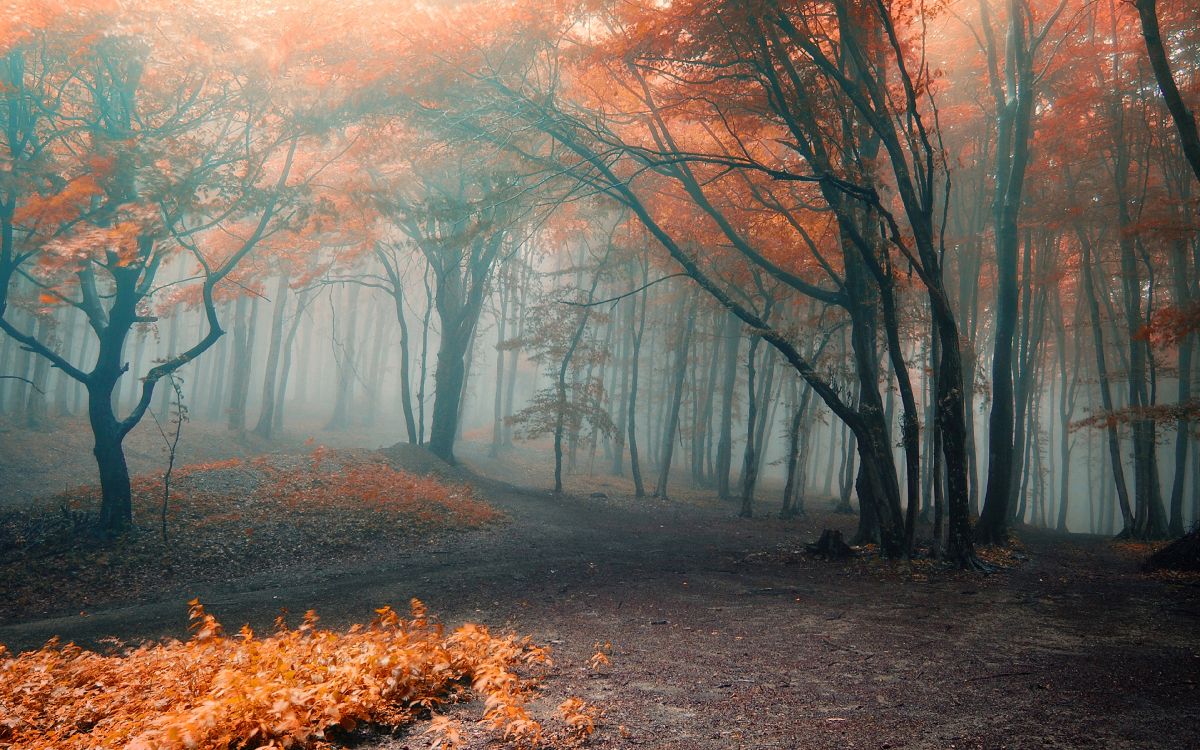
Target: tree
{"type": "Point", "coordinates": [110, 140]}
{"type": "Point", "coordinates": [611, 131]}
{"type": "Point", "coordinates": [558, 339]}
{"type": "Point", "coordinates": [460, 221]}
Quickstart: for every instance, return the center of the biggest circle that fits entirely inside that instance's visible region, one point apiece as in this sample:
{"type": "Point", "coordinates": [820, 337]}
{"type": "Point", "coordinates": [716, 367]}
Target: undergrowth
{"type": "Point", "coordinates": [226, 520]}
{"type": "Point", "coordinates": [297, 688]}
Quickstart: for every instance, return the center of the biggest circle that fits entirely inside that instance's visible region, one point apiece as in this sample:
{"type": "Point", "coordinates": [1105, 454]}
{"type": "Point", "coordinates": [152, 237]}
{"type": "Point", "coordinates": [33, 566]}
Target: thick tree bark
{"type": "Point", "coordinates": [1028, 363]}
{"type": "Point", "coordinates": [448, 379]}
{"type": "Point", "coordinates": [116, 504]}
{"type": "Point", "coordinates": [458, 299]}
{"type": "Point", "coordinates": [1014, 112]}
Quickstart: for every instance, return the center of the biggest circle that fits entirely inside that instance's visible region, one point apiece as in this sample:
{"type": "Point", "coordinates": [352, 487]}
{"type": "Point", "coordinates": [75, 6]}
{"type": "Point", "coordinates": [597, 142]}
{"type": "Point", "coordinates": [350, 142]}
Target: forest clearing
{"type": "Point", "coordinates": [599, 373]}
{"type": "Point", "coordinates": [724, 632]}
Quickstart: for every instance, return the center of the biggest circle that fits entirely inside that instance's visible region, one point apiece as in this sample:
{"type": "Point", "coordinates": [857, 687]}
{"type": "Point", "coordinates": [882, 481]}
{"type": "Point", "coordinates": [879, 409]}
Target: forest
{"type": "Point", "coordinates": [599, 373]}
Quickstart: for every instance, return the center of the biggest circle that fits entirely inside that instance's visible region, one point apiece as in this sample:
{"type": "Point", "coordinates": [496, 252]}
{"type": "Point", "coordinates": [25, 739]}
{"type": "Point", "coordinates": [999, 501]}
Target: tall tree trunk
{"type": "Point", "coordinates": [635, 466]}
{"type": "Point", "coordinates": [729, 382]}
{"type": "Point", "coordinates": [346, 358]}
{"type": "Point", "coordinates": [35, 401]}
{"type": "Point", "coordinates": [374, 380]}
{"type": "Point", "coordinates": [242, 354]}
{"type": "Point", "coordinates": [266, 415]}
{"type": "Point", "coordinates": [422, 376]}
{"type": "Point", "coordinates": [116, 503]}
{"type": "Point", "coordinates": [1106, 399]}
{"type": "Point", "coordinates": [497, 401]}
{"type": "Point", "coordinates": [625, 365]}
{"type": "Point", "coordinates": [686, 311]}
{"type": "Point", "coordinates": [285, 368]}
{"type": "Point", "coordinates": [1066, 409]}
{"type": "Point", "coordinates": [63, 384]}
{"type": "Point", "coordinates": [1149, 516]}
{"type": "Point", "coordinates": [702, 424]}
{"type": "Point", "coordinates": [793, 489]}
{"type": "Point", "coordinates": [749, 458]}
{"type": "Point", "coordinates": [525, 276]}
{"type": "Point", "coordinates": [406, 398]}
{"type": "Point", "coordinates": [1182, 426]}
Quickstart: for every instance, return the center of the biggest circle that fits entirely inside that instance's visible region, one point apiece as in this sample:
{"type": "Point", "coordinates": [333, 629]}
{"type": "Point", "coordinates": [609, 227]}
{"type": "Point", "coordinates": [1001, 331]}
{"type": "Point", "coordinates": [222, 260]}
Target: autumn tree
{"type": "Point", "coordinates": [130, 152]}
{"type": "Point", "coordinates": [812, 104]}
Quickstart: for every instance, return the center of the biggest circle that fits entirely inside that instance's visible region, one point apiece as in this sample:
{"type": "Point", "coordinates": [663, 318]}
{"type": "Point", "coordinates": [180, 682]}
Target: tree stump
{"type": "Point", "coordinates": [831, 546]}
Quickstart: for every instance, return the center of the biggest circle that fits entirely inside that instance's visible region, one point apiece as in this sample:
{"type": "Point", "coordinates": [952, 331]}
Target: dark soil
{"type": "Point", "coordinates": [726, 634]}
{"type": "Point", "coordinates": [1181, 554]}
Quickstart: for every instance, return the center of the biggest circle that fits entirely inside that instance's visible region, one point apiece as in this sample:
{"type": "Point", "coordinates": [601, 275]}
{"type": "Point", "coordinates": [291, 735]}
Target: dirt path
{"type": "Point", "coordinates": [722, 639]}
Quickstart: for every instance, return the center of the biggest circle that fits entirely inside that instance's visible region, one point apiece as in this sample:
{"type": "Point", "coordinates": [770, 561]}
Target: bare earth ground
{"type": "Point", "coordinates": [724, 637]}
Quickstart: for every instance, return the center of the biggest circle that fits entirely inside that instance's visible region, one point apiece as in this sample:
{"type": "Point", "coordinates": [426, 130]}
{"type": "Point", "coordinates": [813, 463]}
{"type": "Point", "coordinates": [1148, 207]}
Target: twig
{"type": "Point", "coordinates": [172, 444]}
{"type": "Point", "coordinates": [32, 384]}
{"type": "Point", "coordinates": [1001, 674]}
{"type": "Point", "coordinates": [621, 296]}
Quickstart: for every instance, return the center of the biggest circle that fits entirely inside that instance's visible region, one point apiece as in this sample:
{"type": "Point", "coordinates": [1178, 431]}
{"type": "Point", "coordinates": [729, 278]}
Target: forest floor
{"type": "Point", "coordinates": [724, 633]}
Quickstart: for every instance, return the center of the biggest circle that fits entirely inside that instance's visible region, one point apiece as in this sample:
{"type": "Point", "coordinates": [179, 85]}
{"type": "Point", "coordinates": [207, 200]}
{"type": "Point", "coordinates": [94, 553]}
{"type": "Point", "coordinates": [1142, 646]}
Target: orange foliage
{"type": "Point", "coordinates": [331, 479]}
{"type": "Point", "coordinates": [288, 690]}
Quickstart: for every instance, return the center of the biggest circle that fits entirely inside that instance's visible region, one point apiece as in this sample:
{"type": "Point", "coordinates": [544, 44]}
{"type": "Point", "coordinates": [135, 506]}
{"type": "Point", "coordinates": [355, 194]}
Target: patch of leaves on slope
{"type": "Point", "coordinates": [225, 520]}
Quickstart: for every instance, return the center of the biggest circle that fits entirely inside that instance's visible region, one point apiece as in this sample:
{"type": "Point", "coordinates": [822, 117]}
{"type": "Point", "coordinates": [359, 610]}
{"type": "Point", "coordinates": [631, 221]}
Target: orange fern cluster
{"type": "Point", "coordinates": [288, 690]}
{"type": "Point", "coordinates": [333, 478]}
